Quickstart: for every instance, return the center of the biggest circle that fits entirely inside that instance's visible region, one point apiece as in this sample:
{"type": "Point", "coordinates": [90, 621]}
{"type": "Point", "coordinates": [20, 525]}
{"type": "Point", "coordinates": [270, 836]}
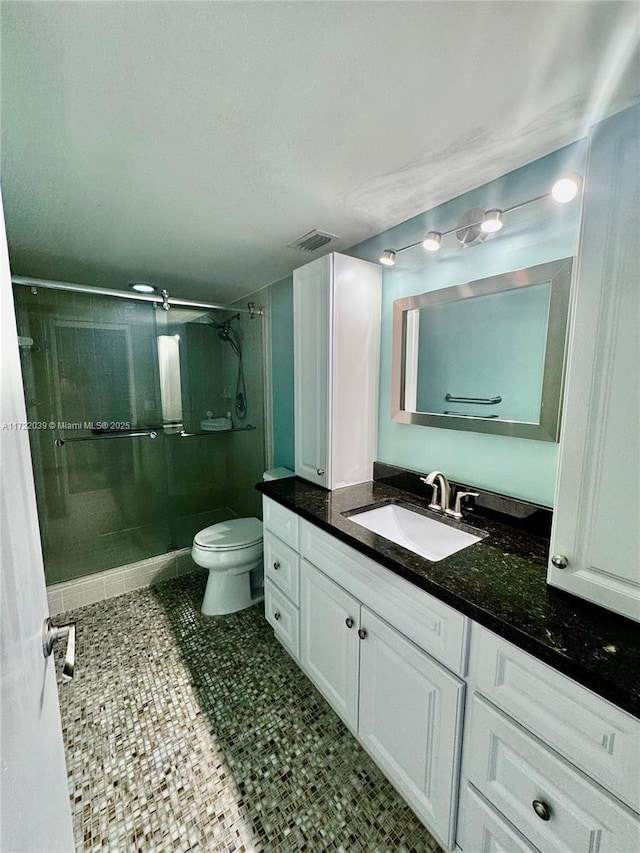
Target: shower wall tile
{"type": "Point", "coordinates": [114, 587]}
{"type": "Point", "coordinates": [93, 592]}
{"type": "Point", "coordinates": [185, 563]}
{"type": "Point", "coordinates": [74, 598]}
{"type": "Point", "coordinates": [103, 585]}
{"type": "Point", "coordinates": [54, 597]}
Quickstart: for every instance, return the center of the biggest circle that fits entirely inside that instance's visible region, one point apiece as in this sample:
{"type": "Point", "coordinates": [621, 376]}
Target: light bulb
{"type": "Point", "coordinates": [492, 221]}
{"type": "Point", "coordinates": [432, 241]}
{"type": "Point", "coordinates": [567, 188]}
{"type": "Point", "coordinates": [388, 257]}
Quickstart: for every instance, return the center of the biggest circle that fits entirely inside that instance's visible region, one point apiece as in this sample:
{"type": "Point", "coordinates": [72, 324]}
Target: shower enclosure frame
{"type": "Point", "coordinates": [161, 301]}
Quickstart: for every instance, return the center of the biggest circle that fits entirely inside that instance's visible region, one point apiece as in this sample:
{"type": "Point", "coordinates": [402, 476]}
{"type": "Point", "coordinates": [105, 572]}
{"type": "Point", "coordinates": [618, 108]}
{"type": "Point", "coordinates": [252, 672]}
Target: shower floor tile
{"type": "Point", "coordinates": [187, 733]}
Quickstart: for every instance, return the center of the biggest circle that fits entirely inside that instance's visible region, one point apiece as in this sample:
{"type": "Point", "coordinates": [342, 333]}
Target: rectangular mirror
{"type": "Point", "coordinates": [487, 355]}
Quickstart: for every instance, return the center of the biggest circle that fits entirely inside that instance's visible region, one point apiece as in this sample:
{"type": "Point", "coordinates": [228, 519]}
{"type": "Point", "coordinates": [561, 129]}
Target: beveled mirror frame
{"type": "Point", "coordinates": [558, 273]}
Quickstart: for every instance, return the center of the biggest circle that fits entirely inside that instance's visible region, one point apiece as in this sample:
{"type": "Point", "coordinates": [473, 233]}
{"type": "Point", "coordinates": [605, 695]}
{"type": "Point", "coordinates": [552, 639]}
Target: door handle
{"type": "Point", "coordinates": [51, 634]}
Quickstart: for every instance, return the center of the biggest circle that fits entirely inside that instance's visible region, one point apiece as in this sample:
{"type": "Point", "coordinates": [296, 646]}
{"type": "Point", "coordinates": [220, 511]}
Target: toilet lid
{"type": "Point", "coordinates": [230, 535]}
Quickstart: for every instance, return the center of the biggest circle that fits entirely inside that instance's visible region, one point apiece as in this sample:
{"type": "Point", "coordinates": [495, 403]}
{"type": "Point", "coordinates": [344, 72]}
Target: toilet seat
{"type": "Point", "coordinates": [230, 535]}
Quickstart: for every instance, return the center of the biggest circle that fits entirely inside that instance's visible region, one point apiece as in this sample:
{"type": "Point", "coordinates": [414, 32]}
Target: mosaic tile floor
{"type": "Point", "coordinates": [191, 734]}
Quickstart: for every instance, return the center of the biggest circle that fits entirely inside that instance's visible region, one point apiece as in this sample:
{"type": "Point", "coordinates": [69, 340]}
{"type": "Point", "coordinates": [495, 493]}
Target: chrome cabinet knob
{"type": "Point", "coordinates": [276, 616]}
{"type": "Point", "coordinates": [276, 565]}
{"type": "Point", "coordinates": [559, 561]}
{"type": "Point", "coordinates": [319, 471]}
{"type": "Point", "coordinates": [541, 809]}
{"type": "Point", "coordinates": [362, 633]}
{"type": "Point", "coordinates": [349, 622]}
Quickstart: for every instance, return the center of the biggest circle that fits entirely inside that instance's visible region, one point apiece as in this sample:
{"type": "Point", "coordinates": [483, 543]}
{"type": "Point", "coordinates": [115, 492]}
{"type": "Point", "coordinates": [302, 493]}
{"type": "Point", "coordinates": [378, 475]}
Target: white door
{"type": "Point", "coordinates": [410, 721]}
{"type": "Point", "coordinates": [596, 536]}
{"type": "Point", "coordinates": [35, 814]}
{"type": "Point", "coordinates": [329, 641]}
{"type": "Point", "coordinates": [311, 347]}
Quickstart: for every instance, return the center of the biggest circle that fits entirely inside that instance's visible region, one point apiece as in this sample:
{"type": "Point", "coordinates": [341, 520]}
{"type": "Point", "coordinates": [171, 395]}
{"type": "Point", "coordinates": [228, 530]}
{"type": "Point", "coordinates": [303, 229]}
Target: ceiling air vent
{"type": "Point", "coordinates": [313, 240]}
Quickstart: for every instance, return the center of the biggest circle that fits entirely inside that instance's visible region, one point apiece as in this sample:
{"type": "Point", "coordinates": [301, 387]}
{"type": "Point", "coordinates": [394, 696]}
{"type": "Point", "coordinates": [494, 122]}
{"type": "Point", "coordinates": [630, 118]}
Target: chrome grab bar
{"type": "Point", "coordinates": [60, 442]}
{"type": "Point", "coordinates": [468, 415]}
{"type": "Point", "coordinates": [184, 434]}
{"type": "Point", "coordinates": [482, 401]}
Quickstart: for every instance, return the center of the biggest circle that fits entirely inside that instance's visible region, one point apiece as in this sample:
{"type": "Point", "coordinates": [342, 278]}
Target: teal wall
{"type": "Point", "coordinates": [539, 233]}
{"type": "Point", "coordinates": [505, 334]}
{"type": "Point", "coordinates": [282, 372]}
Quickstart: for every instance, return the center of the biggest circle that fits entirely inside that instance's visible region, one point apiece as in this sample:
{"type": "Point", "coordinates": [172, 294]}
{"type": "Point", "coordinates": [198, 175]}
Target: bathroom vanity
{"type": "Point", "coordinates": [505, 712]}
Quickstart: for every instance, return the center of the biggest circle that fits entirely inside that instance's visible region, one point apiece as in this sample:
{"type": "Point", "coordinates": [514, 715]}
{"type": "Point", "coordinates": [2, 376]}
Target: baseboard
{"type": "Point", "coordinates": [102, 585]}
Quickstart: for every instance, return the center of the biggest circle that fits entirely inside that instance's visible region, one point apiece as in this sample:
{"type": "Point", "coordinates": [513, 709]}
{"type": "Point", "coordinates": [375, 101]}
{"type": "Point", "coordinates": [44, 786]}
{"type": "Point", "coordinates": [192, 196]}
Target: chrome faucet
{"type": "Point", "coordinates": [442, 485]}
{"type": "Point", "coordinates": [439, 482]}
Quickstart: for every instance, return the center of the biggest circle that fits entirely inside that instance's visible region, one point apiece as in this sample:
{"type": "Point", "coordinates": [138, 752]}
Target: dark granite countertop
{"type": "Point", "coordinates": [499, 582]}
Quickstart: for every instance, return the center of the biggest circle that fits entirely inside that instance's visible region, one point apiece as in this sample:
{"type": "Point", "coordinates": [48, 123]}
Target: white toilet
{"type": "Point", "coordinates": [232, 552]}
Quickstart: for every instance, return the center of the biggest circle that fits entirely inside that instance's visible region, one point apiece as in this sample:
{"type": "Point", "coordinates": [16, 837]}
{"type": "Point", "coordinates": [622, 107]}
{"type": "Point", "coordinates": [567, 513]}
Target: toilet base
{"type": "Point", "coordinates": [228, 593]}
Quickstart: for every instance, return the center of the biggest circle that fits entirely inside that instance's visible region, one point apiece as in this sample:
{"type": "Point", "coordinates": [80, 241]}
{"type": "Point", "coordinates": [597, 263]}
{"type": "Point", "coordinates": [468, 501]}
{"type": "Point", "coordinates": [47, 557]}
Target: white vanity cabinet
{"type": "Point", "coordinates": [545, 761]}
{"type": "Point", "coordinates": [336, 307]}
{"type": "Point", "coordinates": [360, 626]}
{"type": "Point", "coordinates": [403, 706]}
{"type": "Point", "coordinates": [595, 550]}
{"type": "Point", "coordinates": [547, 765]}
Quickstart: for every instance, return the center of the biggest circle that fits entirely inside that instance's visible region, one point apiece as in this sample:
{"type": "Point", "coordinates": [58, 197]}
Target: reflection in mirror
{"type": "Point", "coordinates": [485, 356]}
{"type": "Point", "coordinates": [170, 382]}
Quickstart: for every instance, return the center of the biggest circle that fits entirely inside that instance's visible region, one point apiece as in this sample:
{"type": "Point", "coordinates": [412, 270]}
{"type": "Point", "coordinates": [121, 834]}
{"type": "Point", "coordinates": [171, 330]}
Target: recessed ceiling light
{"type": "Point", "coordinates": [143, 287]}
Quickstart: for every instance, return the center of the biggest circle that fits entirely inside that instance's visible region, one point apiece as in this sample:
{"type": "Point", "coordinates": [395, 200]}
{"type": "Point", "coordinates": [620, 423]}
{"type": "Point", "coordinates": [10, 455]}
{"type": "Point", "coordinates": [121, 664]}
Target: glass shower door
{"type": "Point", "coordinates": [92, 386]}
{"type": "Point", "coordinates": [211, 381]}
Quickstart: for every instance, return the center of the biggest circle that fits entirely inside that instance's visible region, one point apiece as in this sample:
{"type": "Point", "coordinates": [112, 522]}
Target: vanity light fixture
{"type": "Point", "coordinates": [565, 189]}
{"type": "Point", "coordinates": [143, 287]}
{"type": "Point", "coordinates": [432, 241]}
{"type": "Point", "coordinates": [492, 221]}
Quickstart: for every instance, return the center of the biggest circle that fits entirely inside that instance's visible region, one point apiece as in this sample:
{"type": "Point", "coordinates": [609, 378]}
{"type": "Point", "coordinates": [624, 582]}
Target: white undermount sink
{"type": "Point", "coordinates": [418, 533]}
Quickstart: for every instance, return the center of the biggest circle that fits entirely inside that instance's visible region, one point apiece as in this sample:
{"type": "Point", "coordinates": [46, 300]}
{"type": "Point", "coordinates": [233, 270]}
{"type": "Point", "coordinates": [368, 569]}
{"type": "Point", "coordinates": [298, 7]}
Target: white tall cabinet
{"type": "Point", "coordinates": [595, 549]}
{"type": "Point", "coordinates": [336, 305]}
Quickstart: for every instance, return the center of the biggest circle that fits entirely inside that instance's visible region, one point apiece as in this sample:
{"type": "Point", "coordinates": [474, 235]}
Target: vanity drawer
{"type": "Point", "coordinates": [432, 625]}
{"type": "Point", "coordinates": [281, 521]}
{"type": "Point", "coordinates": [514, 771]}
{"type": "Point", "coordinates": [481, 829]}
{"type": "Point", "coordinates": [282, 566]}
{"type": "Point", "coordinates": [283, 617]}
{"type": "Point", "coordinates": [594, 735]}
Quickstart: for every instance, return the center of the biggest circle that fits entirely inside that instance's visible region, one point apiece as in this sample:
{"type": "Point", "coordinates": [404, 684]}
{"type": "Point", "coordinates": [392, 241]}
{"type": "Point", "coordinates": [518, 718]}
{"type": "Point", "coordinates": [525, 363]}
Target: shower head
{"type": "Point", "coordinates": [224, 330]}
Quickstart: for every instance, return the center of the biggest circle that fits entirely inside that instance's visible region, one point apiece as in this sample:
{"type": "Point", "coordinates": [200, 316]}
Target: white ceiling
{"type": "Point", "coordinates": [187, 143]}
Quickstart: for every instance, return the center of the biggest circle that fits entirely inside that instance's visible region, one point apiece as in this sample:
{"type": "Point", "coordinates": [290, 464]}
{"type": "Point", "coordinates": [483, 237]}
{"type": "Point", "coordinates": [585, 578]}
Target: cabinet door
{"type": "Point", "coordinates": [329, 640]}
{"type": "Point", "coordinates": [597, 500]}
{"type": "Point", "coordinates": [311, 347]}
{"type": "Point", "coordinates": [410, 721]}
